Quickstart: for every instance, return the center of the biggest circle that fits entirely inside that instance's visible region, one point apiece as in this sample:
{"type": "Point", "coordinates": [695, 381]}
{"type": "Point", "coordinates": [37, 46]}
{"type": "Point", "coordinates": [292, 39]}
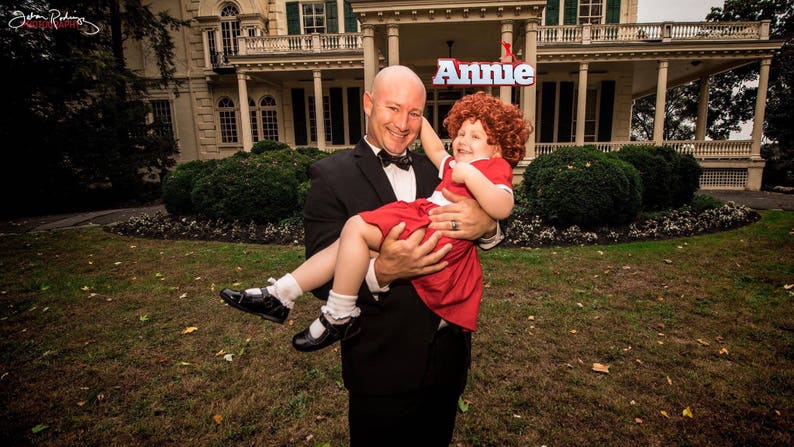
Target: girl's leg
{"type": "Point", "coordinates": [355, 243]}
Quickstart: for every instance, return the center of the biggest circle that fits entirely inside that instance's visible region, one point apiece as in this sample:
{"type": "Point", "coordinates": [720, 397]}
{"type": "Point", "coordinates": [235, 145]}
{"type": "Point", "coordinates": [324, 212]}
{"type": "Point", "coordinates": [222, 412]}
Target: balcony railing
{"type": "Point", "coordinates": [301, 43]}
{"type": "Point", "coordinates": [653, 32]}
{"type": "Point", "coordinates": [708, 149]}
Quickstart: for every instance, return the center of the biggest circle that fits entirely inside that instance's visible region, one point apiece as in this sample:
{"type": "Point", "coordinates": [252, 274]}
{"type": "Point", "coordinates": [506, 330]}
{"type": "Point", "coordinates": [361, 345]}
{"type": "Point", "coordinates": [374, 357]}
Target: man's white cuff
{"type": "Point", "coordinates": [372, 280]}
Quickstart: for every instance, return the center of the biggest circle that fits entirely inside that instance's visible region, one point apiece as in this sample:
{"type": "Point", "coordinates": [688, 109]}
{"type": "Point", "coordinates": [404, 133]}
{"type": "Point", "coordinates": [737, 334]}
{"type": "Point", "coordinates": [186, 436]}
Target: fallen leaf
{"type": "Point", "coordinates": [573, 331]}
{"type": "Point", "coordinates": [598, 367]}
{"type": "Point", "coordinates": [237, 284]}
{"type": "Point", "coordinates": [463, 405]}
{"type": "Point", "coordinates": [531, 318]}
{"type": "Point", "coordinates": [788, 286]}
{"type": "Point", "coordinates": [39, 428]}
{"type": "Point", "coordinates": [184, 363]}
{"type": "Point", "coordinates": [184, 295]}
{"type": "Point", "coordinates": [85, 288]}
{"type": "Point", "coordinates": [723, 351]}
{"type": "Point", "coordinates": [158, 275]}
{"type": "Point", "coordinates": [669, 380]}
{"type": "Point", "coordinates": [668, 261]}
{"type": "Point", "coordinates": [517, 416]}
{"type": "Point", "coordinates": [189, 329]}
{"type": "Point", "coordinates": [687, 412]}
{"type": "Point", "coordinates": [638, 420]}
{"type": "Point", "coordinates": [81, 403]}
{"type": "Point", "coordinates": [117, 263]}
{"type": "Point", "coordinates": [228, 357]}
{"type": "Point", "coordinates": [143, 317]}
{"type": "Point", "coordinates": [664, 413]}
{"type": "Point", "coordinates": [220, 353]}
{"type": "Point", "coordinates": [291, 322]}
{"type": "Point", "coordinates": [702, 342]}
{"type": "Point", "coordinates": [217, 418]}
{"type": "Point", "coordinates": [638, 361]}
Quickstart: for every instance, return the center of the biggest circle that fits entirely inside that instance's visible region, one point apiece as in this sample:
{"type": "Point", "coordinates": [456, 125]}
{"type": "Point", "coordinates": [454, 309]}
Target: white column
{"type": "Point", "coordinates": [370, 55]}
{"type": "Point", "coordinates": [245, 113]}
{"type": "Point", "coordinates": [529, 94]}
{"type": "Point", "coordinates": [661, 99]}
{"type": "Point", "coordinates": [703, 109]}
{"type": "Point", "coordinates": [206, 44]}
{"type": "Point", "coordinates": [319, 115]}
{"type": "Point", "coordinates": [581, 103]}
{"type": "Point", "coordinates": [393, 31]}
{"type": "Point", "coordinates": [340, 14]}
{"type": "Point", "coordinates": [505, 92]}
{"type": "Point", "coordinates": [760, 109]}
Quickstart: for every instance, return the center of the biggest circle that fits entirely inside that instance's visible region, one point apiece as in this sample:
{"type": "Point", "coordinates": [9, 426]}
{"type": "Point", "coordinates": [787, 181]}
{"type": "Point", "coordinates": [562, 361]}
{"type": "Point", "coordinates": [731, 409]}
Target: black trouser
{"type": "Point", "coordinates": [422, 418]}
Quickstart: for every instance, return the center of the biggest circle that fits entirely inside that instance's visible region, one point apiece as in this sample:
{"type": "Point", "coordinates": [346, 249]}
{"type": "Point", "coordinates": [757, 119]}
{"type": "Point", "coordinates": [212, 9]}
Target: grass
{"type": "Point", "coordinates": [92, 350]}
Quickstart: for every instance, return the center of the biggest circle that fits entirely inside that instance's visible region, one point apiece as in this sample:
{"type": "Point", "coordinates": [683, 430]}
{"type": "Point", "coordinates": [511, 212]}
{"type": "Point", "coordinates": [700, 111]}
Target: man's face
{"type": "Point", "coordinates": [395, 115]}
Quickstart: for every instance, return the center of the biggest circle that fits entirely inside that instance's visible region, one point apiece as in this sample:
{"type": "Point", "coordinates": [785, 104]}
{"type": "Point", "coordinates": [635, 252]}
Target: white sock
{"type": "Point", "coordinates": [338, 310]}
{"type": "Point", "coordinates": [286, 289]}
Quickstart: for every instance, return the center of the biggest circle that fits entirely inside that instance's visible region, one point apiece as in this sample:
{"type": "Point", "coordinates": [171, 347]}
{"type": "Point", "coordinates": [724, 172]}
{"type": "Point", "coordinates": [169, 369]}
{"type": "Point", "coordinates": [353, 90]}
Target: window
{"type": "Point", "coordinates": [161, 118]}
{"type": "Point", "coordinates": [230, 29]}
{"type": "Point", "coordinates": [228, 120]}
{"type": "Point", "coordinates": [252, 113]}
{"type": "Point", "coordinates": [591, 11]}
{"type": "Point", "coordinates": [269, 118]}
{"type": "Point", "coordinates": [313, 119]}
{"type": "Point", "coordinates": [313, 17]}
{"type": "Point", "coordinates": [591, 106]}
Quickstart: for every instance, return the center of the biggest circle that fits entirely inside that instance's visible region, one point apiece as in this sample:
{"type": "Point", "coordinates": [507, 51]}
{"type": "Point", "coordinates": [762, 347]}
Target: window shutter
{"type": "Point", "coordinates": [571, 13]}
{"type": "Point", "coordinates": [331, 22]}
{"type": "Point", "coordinates": [293, 18]}
{"type": "Point", "coordinates": [613, 11]}
{"type": "Point", "coordinates": [553, 12]}
{"type": "Point", "coordinates": [350, 19]}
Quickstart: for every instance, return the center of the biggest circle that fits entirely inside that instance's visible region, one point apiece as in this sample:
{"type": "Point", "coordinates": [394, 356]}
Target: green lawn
{"type": "Point", "coordinates": [94, 347]}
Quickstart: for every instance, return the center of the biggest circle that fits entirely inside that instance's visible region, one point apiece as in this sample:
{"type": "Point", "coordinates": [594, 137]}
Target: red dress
{"type": "Point", "coordinates": [453, 293]}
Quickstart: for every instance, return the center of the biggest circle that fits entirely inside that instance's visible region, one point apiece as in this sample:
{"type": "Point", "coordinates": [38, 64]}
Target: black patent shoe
{"type": "Point", "coordinates": [304, 341]}
{"type": "Point", "coordinates": [266, 305]}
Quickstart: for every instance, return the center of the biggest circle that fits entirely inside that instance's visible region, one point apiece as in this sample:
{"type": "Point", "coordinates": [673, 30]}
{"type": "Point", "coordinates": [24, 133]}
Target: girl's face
{"type": "Point", "coordinates": [471, 143]}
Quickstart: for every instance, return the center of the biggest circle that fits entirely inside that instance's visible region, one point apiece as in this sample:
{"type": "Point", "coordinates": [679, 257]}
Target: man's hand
{"type": "Point", "coordinates": [409, 257]}
{"type": "Point", "coordinates": [471, 222]}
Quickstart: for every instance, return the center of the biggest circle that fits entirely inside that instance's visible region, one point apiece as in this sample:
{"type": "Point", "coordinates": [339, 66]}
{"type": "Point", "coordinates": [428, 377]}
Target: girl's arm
{"type": "Point", "coordinates": [495, 201]}
{"type": "Point", "coordinates": [433, 146]}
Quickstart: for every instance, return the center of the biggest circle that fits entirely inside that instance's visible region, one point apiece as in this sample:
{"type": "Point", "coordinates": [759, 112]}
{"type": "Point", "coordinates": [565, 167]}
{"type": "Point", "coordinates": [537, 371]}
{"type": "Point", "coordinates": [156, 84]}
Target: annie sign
{"type": "Point", "coordinates": [451, 71]}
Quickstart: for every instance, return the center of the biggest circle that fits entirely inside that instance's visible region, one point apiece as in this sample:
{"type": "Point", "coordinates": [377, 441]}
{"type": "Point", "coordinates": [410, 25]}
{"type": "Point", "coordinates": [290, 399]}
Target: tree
{"type": "Point", "coordinates": [731, 94]}
{"type": "Point", "coordinates": [89, 143]}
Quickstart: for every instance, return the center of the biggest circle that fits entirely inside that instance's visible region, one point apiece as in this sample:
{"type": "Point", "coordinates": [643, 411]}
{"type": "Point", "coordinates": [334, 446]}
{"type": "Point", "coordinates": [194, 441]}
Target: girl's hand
{"type": "Point", "coordinates": [460, 171]}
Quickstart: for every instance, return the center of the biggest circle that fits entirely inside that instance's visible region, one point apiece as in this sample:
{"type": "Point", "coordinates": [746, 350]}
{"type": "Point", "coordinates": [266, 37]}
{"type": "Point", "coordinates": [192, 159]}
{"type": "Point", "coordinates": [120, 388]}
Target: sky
{"type": "Point", "coordinates": [675, 10]}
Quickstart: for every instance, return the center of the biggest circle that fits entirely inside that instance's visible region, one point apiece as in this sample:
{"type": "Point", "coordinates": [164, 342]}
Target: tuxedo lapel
{"type": "Point", "coordinates": [370, 166]}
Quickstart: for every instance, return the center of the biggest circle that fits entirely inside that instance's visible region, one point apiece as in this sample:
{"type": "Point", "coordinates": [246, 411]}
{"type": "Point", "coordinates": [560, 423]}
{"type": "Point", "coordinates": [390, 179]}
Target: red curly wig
{"type": "Point", "coordinates": [503, 123]}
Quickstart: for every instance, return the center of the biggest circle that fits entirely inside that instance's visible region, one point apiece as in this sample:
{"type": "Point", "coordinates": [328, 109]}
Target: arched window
{"type": "Point", "coordinates": [254, 130]}
{"type": "Point", "coordinates": [228, 120]}
{"type": "Point", "coordinates": [230, 28]}
{"type": "Point", "coordinates": [269, 118]}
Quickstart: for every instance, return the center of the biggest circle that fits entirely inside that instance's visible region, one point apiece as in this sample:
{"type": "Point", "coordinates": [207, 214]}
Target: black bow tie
{"type": "Point", "coordinates": [402, 161]}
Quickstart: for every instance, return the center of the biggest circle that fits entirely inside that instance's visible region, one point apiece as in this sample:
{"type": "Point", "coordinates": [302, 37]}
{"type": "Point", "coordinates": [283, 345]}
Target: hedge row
{"type": "Point", "coordinates": [586, 187]}
{"type": "Point", "coordinates": [266, 185]}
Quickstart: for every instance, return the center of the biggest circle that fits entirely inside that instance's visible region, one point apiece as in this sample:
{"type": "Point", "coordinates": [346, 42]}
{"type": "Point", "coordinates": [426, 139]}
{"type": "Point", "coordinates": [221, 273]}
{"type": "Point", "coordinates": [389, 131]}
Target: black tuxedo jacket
{"type": "Point", "coordinates": [390, 354]}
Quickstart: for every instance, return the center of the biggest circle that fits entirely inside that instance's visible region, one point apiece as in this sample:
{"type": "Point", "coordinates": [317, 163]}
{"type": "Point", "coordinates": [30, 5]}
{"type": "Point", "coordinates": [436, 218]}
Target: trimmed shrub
{"type": "Point", "coordinates": [685, 175]}
{"type": "Point", "coordinates": [260, 147]}
{"type": "Point", "coordinates": [655, 172]}
{"type": "Point", "coordinates": [178, 185]}
{"type": "Point", "coordinates": [255, 188]}
{"type": "Point", "coordinates": [582, 186]}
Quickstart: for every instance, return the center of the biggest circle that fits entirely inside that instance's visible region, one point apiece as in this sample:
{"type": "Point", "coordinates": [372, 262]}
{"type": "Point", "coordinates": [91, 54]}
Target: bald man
{"type": "Point", "coordinates": [406, 369]}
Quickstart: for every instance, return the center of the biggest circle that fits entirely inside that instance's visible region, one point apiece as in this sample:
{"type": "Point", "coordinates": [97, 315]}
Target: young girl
{"type": "Point", "coordinates": [489, 139]}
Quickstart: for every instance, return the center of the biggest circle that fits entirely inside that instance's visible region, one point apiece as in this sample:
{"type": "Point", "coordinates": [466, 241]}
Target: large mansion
{"type": "Point", "coordinates": [295, 71]}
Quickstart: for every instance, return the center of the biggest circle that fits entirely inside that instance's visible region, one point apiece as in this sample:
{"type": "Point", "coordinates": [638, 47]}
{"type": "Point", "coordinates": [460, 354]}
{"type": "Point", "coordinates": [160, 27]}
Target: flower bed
{"type": "Point", "coordinates": [521, 230]}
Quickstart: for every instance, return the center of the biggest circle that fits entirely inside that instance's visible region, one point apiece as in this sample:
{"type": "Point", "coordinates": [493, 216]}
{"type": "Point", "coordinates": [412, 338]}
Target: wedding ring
{"type": "Point", "coordinates": [454, 224]}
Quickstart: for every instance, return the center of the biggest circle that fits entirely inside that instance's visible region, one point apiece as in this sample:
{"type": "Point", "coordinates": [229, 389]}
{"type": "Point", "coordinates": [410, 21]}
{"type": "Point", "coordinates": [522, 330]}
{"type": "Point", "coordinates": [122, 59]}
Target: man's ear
{"type": "Point", "coordinates": [368, 103]}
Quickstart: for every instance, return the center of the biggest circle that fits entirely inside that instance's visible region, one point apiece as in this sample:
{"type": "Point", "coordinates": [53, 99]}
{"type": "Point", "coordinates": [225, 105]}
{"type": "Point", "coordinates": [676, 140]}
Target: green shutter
{"type": "Point", "coordinates": [331, 22]}
{"type": "Point", "coordinates": [613, 11]}
{"type": "Point", "coordinates": [293, 18]}
{"type": "Point", "coordinates": [351, 25]}
{"type": "Point", "coordinates": [553, 12]}
{"type": "Point", "coordinates": [571, 13]}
